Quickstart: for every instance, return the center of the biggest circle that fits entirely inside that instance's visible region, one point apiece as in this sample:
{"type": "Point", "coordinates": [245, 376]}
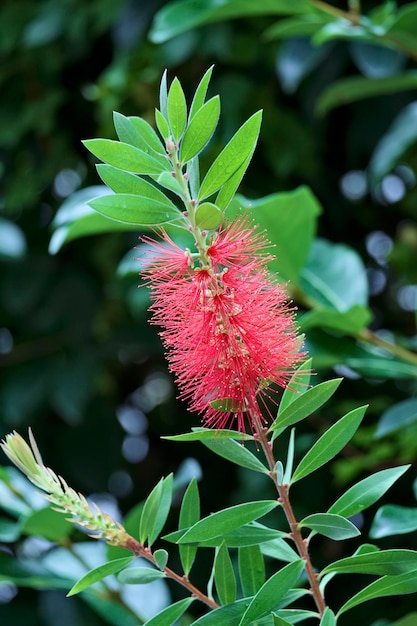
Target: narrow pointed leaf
{"type": "Point", "coordinates": [366, 492]}
{"type": "Point", "coordinates": [171, 614]}
{"type": "Point", "coordinates": [279, 621]}
{"type": "Point", "coordinates": [248, 535]}
{"type": "Point", "coordinates": [230, 187]}
{"type": "Point", "coordinates": [98, 573]}
{"type": "Point", "coordinates": [274, 590]}
{"type": "Point", "coordinates": [163, 94]}
{"type": "Point", "coordinates": [330, 525]}
{"type": "Point", "coordinates": [328, 619]}
{"type": "Point", "coordinates": [236, 453]}
{"type": "Point", "coordinates": [330, 443]}
{"type": "Point", "coordinates": [189, 515]}
{"type": "Point", "coordinates": [162, 124]}
{"type": "Point", "coordinates": [130, 132]}
{"type": "Point", "coordinates": [155, 510]}
{"type": "Point", "coordinates": [280, 550]}
{"type": "Point", "coordinates": [298, 385]}
{"type": "Point", "coordinates": [224, 576]}
{"type": "Point", "coordinates": [251, 569]}
{"type": "Point", "coordinates": [307, 403]}
{"type": "Point", "coordinates": [227, 520]}
{"type": "Point", "coordinates": [133, 209]}
{"type": "Point", "coordinates": [139, 575]}
{"type": "Point", "coordinates": [177, 109]}
{"type": "Point", "coordinates": [392, 519]}
{"type": "Point", "coordinates": [200, 93]}
{"type": "Point", "coordinates": [229, 615]}
{"type": "Point", "coordinates": [232, 156]}
{"type": "Point", "coordinates": [386, 586]}
{"type": "Point", "coordinates": [203, 434]}
{"type": "Point", "coordinates": [124, 156]}
{"type": "Point", "coordinates": [381, 563]}
{"type": "Point", "coordinates": [148, 135]}
{"type": "Point", "coordinates": [200, 129]}
{"type": "Point", "coordinates": [125, 183]}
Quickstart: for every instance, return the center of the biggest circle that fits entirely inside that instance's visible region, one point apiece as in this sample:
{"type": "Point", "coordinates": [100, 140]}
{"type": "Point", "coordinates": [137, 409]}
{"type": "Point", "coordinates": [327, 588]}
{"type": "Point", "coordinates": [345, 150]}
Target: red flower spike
{"type": "Point", "coordinates": [228, 331]}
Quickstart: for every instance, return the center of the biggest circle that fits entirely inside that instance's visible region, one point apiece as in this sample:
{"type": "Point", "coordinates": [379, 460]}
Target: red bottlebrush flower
{"type": "Point", "coordinates": [227, 328]}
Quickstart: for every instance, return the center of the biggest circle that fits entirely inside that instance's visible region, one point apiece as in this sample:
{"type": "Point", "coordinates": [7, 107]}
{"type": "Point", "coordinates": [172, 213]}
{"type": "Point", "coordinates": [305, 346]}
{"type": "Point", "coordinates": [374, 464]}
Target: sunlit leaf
{"type": "Point", "coordinates": [98, 573]}
{"type": "Point", "coordinates": [330, 525]}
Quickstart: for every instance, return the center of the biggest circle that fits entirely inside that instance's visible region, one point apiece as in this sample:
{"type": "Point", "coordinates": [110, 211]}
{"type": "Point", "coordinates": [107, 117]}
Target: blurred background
{"type": "Point", "coordinates": [78, 361]}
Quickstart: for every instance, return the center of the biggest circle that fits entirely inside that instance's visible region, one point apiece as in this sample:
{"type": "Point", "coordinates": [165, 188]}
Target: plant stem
{"type": "Point", "coordinates": [301, 544]}
{"type": "Point", "coordinates": [139, 550]}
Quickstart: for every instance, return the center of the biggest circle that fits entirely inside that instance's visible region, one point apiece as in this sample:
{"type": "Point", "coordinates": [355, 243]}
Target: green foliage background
{"type": "Point", "coordinates": [79, 362]}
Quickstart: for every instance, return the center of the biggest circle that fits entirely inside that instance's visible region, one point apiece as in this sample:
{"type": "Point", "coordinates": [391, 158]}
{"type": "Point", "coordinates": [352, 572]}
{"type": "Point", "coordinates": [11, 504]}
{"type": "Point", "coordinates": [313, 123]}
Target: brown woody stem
{"type": "Point", "coordinates": [284, 501]}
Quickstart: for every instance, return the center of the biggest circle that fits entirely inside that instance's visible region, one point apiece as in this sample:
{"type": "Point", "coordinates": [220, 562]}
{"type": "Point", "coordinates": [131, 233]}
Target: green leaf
{"type": "Point", "coordinates": [163, 95]}
{"type": "Point", "coordinates": [386, 586]}
{"type": "Point", "coordinates": [330, 443]}
{"type": "Point", "coordinates": [235, 452]}
{"type": "Point", "coordinates": [171, 614]}
{"type": "Point", "coordinates": [139, 575]}
{"type": "Point", "coordinates": [169, 182]}
{"type": "Point", "coordinates": [202, 434]}
{"type": "Point", "coordinates": [403, 28]}
{"type": "Point", "coordinates": [161, 558]}
{"type": "Point", "coordinates": [351, 89]}
{"type": "Point", "coordinates": [229, 615]}
{"type": "Point", "coordinates": [397, 417]}
{"type": "Point", "coordinates": [155, 510]}
{"type": "Point", "coordinates": [128, 132]}
{"type": "Point", "coordinates": [293, 616]}
{"type": "Point", "coordinates": [232, 156]}
{"type": "Point", "coordinates": [271, 592]}
{"type": "Point", "coordinates": [98, 573]}
{"type": "Point", "coordinates": [401, 134]}
{"type": "Point", "coordinates": [306, 404]}
{"type": "Point", "coordinates": [290, 219]}
{"type": "Point", "coordinates": [330, 525]}
{"type": "Point", "coordinates": [334, 276]}
{"type": "Point", "coordinates": [189, 515]}
{"type": "Point", "coordinates": [348, 322]}
{"type": "Point", "coordinates": [286, 478]}
{"type": "Point", "coordinates": [208, 217]}
{"type": "Point", "coordinates": [392, 519]}
{"type": "Point", "coordinates": [366, 492]}
{"type": "Point", "coordinates": [47, 523]}
{"type": "Point", "coordinates": [224, 576]}
{"type": "Point", "coordinates": [300, 26]}
{"type": "Point", "coordinates": [200, 93]}
{"type": "Point", "coordinates": [228, 190]}
{"type": "Point", "coordinates": [251, 569]}
{"type": "Point", "coordinates": [381, 563]}
{"type": "Point", "coordinates": [124, 156]}
{"type": "Point", "coordinates": [298, 385]}
{"type": "Point", "coordinates": [125, 183]}
{"type": "Point", "coordinates": [162, 124]}
{"type": "Point", "coordinates": [183, 15]}
{"type": "Point", "coordinates": [149, 136]}
{"type": "Point", "coordinates": [132, 209]}
{"type": "Point", "coordinates": [224, 521]}
{"type": "Point", "coordinates": [247, 535]}
{"type": "Point", "coordinates": [278, 621]}
{"type": "Point", "coordinates": [280, 550]}
{"type": "Point", "coordinates": [200, 129]}
{"type": "Point", "coordinates": [177, 109]}
{"type": "Point", "coordinates": [328, 618]}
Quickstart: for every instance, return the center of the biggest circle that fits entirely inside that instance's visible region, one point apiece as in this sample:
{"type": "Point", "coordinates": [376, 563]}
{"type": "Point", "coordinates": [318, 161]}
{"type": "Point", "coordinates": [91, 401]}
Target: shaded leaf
{"type": "Point", "coordinates": [298, 385]}
{"type": "Point", "coordinates": [381, 563]}
{"type": "Point", "coordinates": [272, 592]}
{"type": "Point", "coordinates": [392, 519]}
{"type": "Point", "coordinates": [328, 618]}
{"type": "Point", "coordinates": [139, 575]}
{"type": "Point", "coordinates": [171, 614]}
{"type": "Point", "coordinates": [251, 569]}
{"type": "Point", "coordinates": [330, 525]}
{"type": "Point", "coordinates": [189, 515]}
{"type": "Point", "coordinates": [155, 510]}
{"type": "Point", "coordinates": [247, 535]}
{"type": "Point", "coordinates": [235, 452]}
{"type": "Point", "coordinates": [203, 434]}
{"type": "Point", "coordinates": [397, 417]}
{"type": "Point", "coordinates": [47, 523]}
{"type": "Point", "coordinates": [224, 576]}
{"type": "Point", "coordinates": [349, 322]}
{"type": "Point", "coordinates": [386, 586]}
{"type": "Point", "coordinates": [161, 558]}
